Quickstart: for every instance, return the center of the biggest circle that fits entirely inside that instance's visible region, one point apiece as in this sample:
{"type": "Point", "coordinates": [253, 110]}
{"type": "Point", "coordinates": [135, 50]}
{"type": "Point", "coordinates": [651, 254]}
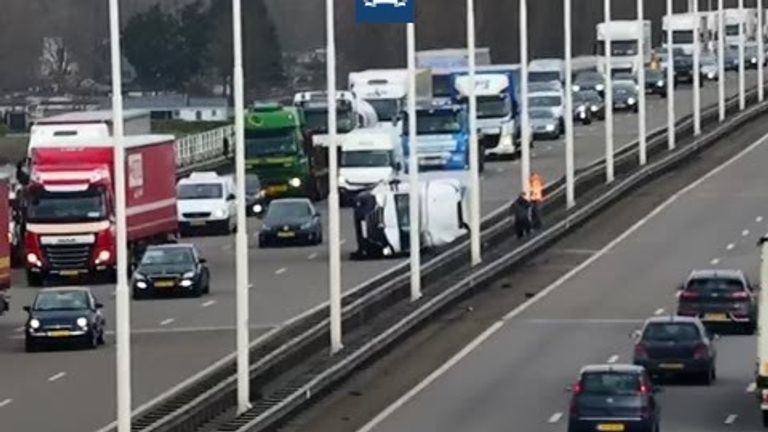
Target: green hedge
{"type": "Point", "coordinates": [182, 128]}
{"type": "Point", "coordinates": [4, 129]}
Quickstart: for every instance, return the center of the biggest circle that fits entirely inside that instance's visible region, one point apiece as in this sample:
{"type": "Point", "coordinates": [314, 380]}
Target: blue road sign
{"type": "Point", "coordinates": [386, 11]}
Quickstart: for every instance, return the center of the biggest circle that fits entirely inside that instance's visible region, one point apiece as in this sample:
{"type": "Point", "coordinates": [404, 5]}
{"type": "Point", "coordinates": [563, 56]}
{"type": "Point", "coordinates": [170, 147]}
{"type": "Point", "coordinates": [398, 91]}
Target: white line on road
{"type": "Point", "coordinates": [715, 261]}
{"type": "Point", "coordinates": [745, 233]}
{"type": "Point", "coordinates": [555, 417]}
{"type": "Point", "coordinates": [57, 376]}
{"type": "Point", "coordinates": [568, 321]}
{"type": "Point", "coordinates": [759, 219]}
{"type": "Point", "coordinates": [751, 387]}
{"type": "Point", "coordinates": [659, 311]}
{"type": "Point", "coordinates": [613, 359]}
{"type": "Point", "coordinates": [731, 419]}
{"type": "Point", "coordinates": [209, 303]}
{"type": "Point", "coordinates": [5, 402]}
{"type": "Point", "coordinates": [167, 321]}
{"type": "Point", "coordinates": [312, 256]}
{"type": "Point", "coordinates": [730, 246]}
{"type": "Point", "coordinates": [19, 329]}
{"type": "Point", "coordinates": [280, 271]}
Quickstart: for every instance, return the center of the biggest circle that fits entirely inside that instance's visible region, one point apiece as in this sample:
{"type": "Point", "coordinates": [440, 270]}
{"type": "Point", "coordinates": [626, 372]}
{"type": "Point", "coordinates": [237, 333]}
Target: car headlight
{"type": "Point", "coordinates": [754, 60]}
{"type": "Point", "coordinates": [295, 182]}
{"type": "Point", "coordinates": [34, 323]}
{"type": "Point", "coordinates": [258, 208]}
{"type": "Point", "coordinates": [631, 101]}
{"type": "Point", "coordinates": [342, 180]}
{"type": "Point", "coordinates": [576, 88]}
{"type": "Point", "coordinates": [659, 83]}
{"type": "Point", "coordinates": [82, 322]}
{"type": "Point", "coordinates": [220, 213]}
{"type": "Point", "coordinates": [141, 284]}
{"type": "Point", "coordinates": [103, 256]}
{"type": "Point", "coordinates": [600, 87]}
{"type": "Point", "coordinates": [711, 75]}
{"type": "Point", "coordinates": [550, 128]}
{"type": "Point", "coordinates": [594, 108]}
{"type": "Point", "coordinates": [33, 259]}
{"type": "Point", "coordinates": [186, 283]}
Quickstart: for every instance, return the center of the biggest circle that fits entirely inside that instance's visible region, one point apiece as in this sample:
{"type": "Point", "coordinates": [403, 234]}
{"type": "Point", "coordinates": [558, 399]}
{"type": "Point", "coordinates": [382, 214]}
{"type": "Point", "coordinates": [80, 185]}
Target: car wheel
{"type": "Point", "coordinates": [138, 295]}
{"type": "Point", "coordinates": [765, 418]}
{"type": "Point", "coordinates": [101, 340]}
{"type": "Point", "coordinates": [93, 340]}
{"type": "Point", "coordinates": [706, 378]}
{"type": "Point", "coordinates": [30, 345]}
{"type": "Point", "coordinates": [207, 287]}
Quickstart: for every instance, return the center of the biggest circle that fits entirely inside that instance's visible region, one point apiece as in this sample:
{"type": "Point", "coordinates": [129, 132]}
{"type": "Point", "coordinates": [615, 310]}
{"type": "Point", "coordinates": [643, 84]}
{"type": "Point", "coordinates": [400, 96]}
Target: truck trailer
{"type": "Point", "coordinates": [70, 206]}
{"type": "Point", "coordinates": [5, 247]}
{"type": "Point", "coordinates": [624, 47]}
{"type": "Point", "coordinates": [386, 89]}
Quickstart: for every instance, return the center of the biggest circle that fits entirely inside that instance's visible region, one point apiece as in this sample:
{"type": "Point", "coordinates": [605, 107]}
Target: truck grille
{"type": "Point", "coordinates": [197, 215]}
{"type": "Point", "coordinates": [68, 257]}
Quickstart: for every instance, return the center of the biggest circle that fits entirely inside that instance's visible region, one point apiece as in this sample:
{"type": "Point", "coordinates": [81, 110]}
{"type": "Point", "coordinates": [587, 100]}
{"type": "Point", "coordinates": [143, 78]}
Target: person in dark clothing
{"type": "Point", "coordinates": [521, 210]}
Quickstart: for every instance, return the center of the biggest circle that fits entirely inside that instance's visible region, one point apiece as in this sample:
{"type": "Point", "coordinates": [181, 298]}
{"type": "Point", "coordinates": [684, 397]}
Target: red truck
{"type": "Point", "coordinates": [70, 204]}
{"type": "Point", "coordinates": [5, 247]}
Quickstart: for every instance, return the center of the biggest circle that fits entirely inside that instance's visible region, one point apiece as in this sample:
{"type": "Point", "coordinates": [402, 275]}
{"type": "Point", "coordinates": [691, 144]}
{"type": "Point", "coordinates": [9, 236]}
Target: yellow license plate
{"type": "Point", "coordinates": [289, 234]}
{"type": "Point", "coordinates": [275, 189]}
{"type": "Point", "coordinates": [672, 366]}
{"type": "Point", "coordinates": [59, 333]}
{"type": "Point", "coordinates": [716, 317]}
{"type": "Point", "coordinates": [198, 223]}
{"type": "Point", "coordinates": [165, 284]}
{"type": "Point", "coordinates": [69, 273]}
{"type": "Point", "coordinates": [610, 427]}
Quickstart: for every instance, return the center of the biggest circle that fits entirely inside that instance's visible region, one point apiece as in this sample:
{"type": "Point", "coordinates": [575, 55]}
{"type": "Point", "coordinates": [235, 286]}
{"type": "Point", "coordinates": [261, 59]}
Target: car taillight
{"type": "Point", "coordinates": [741, 295]}
{"type": "Point", "coordinates": [641, 351]}
{"type": "Point", "coordinates": [577, 389]}
{"type": "Point", "coordinates": [645, 390]}
{"type": "Point", "coordinates": [689, 295]}
{"type": "Point", "coordinates": [701, 351]}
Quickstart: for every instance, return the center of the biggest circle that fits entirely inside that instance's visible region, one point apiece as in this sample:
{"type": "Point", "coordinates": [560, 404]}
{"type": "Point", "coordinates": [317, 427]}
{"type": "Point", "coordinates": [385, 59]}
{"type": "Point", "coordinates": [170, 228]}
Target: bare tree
{"type": "Point", "coordinates": [57, 65]}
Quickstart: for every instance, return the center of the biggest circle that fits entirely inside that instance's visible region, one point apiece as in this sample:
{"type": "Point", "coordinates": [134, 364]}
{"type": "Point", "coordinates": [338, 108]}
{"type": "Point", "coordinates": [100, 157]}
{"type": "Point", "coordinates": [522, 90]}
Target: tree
{"type": "Point", "coordinates": [151, 42]}
{"type": "Point", "coordinates": [195, 28]}
{"type": "Point", "coordinates": [57, 66]}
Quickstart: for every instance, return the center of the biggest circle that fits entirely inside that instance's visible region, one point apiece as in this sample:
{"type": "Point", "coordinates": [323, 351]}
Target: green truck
{"type": "Point", "coordinates": [279, 150]}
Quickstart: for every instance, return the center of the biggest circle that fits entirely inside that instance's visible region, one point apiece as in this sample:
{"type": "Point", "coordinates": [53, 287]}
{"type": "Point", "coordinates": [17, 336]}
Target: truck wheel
{"type": "Point", "coordinates": [34, 279]}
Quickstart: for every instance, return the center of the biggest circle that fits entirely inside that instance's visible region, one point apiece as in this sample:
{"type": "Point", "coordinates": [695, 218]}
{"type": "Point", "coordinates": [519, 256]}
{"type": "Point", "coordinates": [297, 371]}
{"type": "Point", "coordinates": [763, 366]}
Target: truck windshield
{"type": "Point", "coordinates": [386, 109]}
{"type": "Point", "coordinates": [403, 206]}
{"type": "Point", "coordinates": [69, 207]}
{"type": "Point", "coordinates": [681, 37]}
{"type": "Point", "coordinates": [437, 122]}
{"type": "Point", "coordinates": [545, 101]}
{"type": "Point", "coordinates": [366, 158]}
{"type": "Point", "coordinates": [493, 107]}
{"type": "Point", "coordinates": [441, 85]}
{"type": "Point", "coordinates": [199, 191]}
{"type": "Point", "coordinates": [732, 30]}
{"type": "Point", "coordinates": [273, 143]}
{"type": "Point", "coordinates": [619, 48]}
{"type": "Point", "coordinates": [317, 120]}
{"type": "Point", "coordinates": [543, 76]}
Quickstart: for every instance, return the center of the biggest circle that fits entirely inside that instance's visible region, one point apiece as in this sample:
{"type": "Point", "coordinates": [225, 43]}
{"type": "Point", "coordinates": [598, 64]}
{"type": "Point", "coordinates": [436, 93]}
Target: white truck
{"type": "Point", "coordinates": [624, 48]}
{"type": "Point", "coordinates": [761, 374]}
{"type": "Point", "coordinates": [351, 113]}
{"type": "Point", "coordinates": [451, 58]}
{"type": "Point", "coordinates": [386, 89]}
{"type": "Point", "coordinates": [368, 157]}
{"type": "Point", "coordinates": [683, 26]}
{"type": "Point", "coordinates": [382, 217]}
{"type": "Point", "coordinates": [735, 18]}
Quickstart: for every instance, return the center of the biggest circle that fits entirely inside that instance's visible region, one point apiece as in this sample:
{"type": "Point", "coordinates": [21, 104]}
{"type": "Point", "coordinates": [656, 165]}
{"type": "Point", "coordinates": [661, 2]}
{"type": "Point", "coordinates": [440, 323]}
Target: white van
{"type": "Point", "coordinates": [368, 157]}
{"type": "Point", "coordinates": [206, 202]}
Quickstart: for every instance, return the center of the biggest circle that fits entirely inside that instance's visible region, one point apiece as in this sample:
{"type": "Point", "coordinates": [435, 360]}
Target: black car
{"type": "Point", "coordinates": [174, 269]}
{"type": "Point", "coordinates": [614, 398]}
{"type": "Point", "coordinates": [64, 315]}
{"type": "Point", "coordinates": [655, 82]}
{"type": "Point", "coordinates": [254, 195]}
{"type": "Point", "coordinates": [291, 221]}
{"type": "Point", "coordinates": [625, 95]}
{"type": "Point", "coordinates": [675, 345]}
{"type": "Point", "coordinates": [589, 80]}
{"type": "Point", "coordinates": [731, 59]}
{"type": "Point", "coordinates": [683, 67]}
{"type": "Point", "coordinates": [592, 101]}
{"type": "Point", "coordinates": [719, 297]}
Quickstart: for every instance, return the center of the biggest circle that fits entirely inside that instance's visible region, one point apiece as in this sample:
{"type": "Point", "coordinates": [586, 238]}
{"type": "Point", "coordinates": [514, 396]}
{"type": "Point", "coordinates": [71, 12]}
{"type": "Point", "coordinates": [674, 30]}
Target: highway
{"type": "Point", "coordinates": [173, 339]}
{"type": "Point", "coordinates": [515, 374]}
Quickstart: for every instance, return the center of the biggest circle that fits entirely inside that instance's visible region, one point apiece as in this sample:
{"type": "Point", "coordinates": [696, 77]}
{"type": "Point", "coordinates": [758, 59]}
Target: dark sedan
{"type": "Point", "coordinates": [591, 100]}
{"type": "Point", "coordinates": [291, 221]}
{"type": "Point", "coordinates": [64, 315]}
{"type": "Point", "coordinates": [625, 95]}
{"type": "Point", "coordinates": [175, 269]}
{"type": "Point", "coordinates": [731, 59]}
{"type": "Point", "coordinates": [674, 345]}
{"type": "Point", "coordinates": [254, 195]}
{"type": "Point", "coordinates": [589, 80]}
{"type": "Point", "coordinates": [611, 397]}
{"type": "Point", "coordinates": [719, 297]}
{"type": "Point", "coordinates": [655, 82]}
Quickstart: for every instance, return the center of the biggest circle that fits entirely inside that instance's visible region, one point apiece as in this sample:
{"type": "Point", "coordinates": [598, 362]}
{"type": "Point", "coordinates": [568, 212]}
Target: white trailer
{"type": "Point", "coordinates": [735, 18]}
{"type": "Point", "coordinates": [683, 26]}
{"type": "Point", "coordinates": [451, 58]}
{"type": "Point", "coordinates": [624, 49]}
{"type": "Point", "coordinates": [386, 89]}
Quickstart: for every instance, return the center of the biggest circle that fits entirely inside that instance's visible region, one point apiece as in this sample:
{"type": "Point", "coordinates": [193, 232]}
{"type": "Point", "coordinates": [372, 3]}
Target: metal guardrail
{"type": "Point", "coordinates": [206, 149]}
{"type": "Point", "coordinates": [209, 393]}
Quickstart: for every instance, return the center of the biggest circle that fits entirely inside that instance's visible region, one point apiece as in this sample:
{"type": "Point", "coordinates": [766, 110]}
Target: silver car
{"type": "Point", "coordinates": [708, 65]}
{"type": "Point", "coordinates": [544, 124]}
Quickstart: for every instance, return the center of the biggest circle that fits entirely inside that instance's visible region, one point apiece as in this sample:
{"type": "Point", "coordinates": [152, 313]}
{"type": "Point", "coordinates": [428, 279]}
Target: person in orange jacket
{"type": "Point", "coordinates": [536, 187]}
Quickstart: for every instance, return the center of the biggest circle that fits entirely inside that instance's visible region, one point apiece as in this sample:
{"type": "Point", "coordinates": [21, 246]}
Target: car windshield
{"type": "Point", "coordinates": [83, 206]}
{"type": "Point", "coordinates": [653, 75]}
{"type": "Point", "coordinates": [545, 101]}
{"type": "Point", "coordinates": [619, 48]}
{"type": "Point", "coordinates": [280, 142]}
{"type": "Point", "coordinates": [679, 37]}
{"type": "Point", "coordinates": [610, 383]}
{"type": "Point", "coordinates": [61, 300]}
{"type": "Point", "coordinates": [366, 158]}
{"type": "Point", "coordinates": [168, 256]}
{"type": "Point", "coordinates": [493, 107]}
{"type": "Point", "coordinates": [438, 122]}
{"type": "Point", "coordinates": [589, 78]}
{"type": "Point", "coordinates": [732, 30]}
{"type": "Point", "coordinates": [708, 60]}
{"type": "Point", "coordinates": [386, 109]}
{"type": "Point", "coordinates": [541, 114]}
{"type": "Point", "coordinates": [586, 97]}
{"type": "Point", "coordinates": [252, 184]}
{"type": "Point", "coordinates": [623, 88]}
{"type": "Point", "coordinates": [543, 76]}
{"type": "Point", "coordinates": [281, 211]}
{"type": "Point", "coordinates": [317, 120]}
{"type": "Point", "coordinates": [675, 332]}
{"type": "Point", "coordinates": [716, 286]}
{"type": "Point", "coordinates": [200, 191]}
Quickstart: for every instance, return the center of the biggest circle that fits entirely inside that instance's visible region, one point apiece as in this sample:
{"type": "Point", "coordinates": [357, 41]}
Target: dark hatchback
{"type": "Point", "coordinates": [718, 298]}
{"type": "Point", "coordinates": [591, 100]}
{"type": "Point", "coordinates": [171, 270]}
{"type": "Point", "coordinates": [291, 221]}
{"type": "Point", "coordinates": [655, 82]}
{"type": "Point", "coordinates": [676, 346]}
{"type": "Point", "coordinates": [614, 398]}
{"type": "Point", "coordinates": [64, 315]}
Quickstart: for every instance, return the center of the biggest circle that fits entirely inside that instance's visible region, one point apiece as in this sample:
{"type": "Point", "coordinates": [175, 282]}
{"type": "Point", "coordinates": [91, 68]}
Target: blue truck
{"type": "Point", "coordinates": [442, 141]}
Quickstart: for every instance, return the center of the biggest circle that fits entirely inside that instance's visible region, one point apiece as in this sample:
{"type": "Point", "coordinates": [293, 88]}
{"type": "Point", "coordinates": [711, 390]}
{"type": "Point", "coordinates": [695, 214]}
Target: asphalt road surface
{"type": "Point", "coordinates": [513, 378]}
{"type": "Point", "coordinates": [173, 339]}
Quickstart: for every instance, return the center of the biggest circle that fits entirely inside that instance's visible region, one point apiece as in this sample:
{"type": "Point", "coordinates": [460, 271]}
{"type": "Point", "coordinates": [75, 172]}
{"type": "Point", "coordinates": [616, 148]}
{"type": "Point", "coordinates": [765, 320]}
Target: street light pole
{"type": "Point", "coordinates": [525, 126]}
{"type": "Point", "coordinates": [474, 151]}
{"type": "Point", "coordinates": [670, 83]}
{"type": "Point", "coordinates": [641, 119]}
{"type": "Point", "coordinates": [720, 61]}
{"type": "Point", "coordinates": [609, 167]}
{"type": "Point", "coordinates": [570, 192]}
{"type": "Point", "coordinates": [760, 51]}
{"type": "Point", "coordinates": [742, 66]}
{"type": "Point", "coordinates": [122, 294]}
{"type": "Point", "coordinates": [413, 167]}
{"type": "Point", "coordinates": [696, 72]}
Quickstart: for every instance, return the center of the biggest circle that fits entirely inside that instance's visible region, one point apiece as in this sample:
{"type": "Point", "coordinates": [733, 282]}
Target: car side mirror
{"type": "Point", "coordinates": [99, 305]}
{"type": "Point", "coordinates": [27, 308]}
{"type": "Point", "coordinates": [568, 389]}
{"type": "Point", "coordinates": [231, 197]}
{"type": "Point", "coordinates": [203, 261]}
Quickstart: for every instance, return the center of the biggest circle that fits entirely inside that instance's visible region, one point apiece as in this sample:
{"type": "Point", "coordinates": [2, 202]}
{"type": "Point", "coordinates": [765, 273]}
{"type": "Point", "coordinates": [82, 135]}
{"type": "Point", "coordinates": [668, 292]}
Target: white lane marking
{"type": "Point", "coordinates": [751, 387]}
{"type": "Point", "coordinates": [569, 321]}
{"type": "Point", "coordinates": [745, 233]}
{"type": "Point", "coordinates": [555, 417]}
{"type": "Point", "coordinates": [312, 256]}
{"type": "Point", "coordinates": [552, 287]}
{"type": "Point", "coordinates": [715, 261]}
{"type": "Point", "coordinates": [19, 329]}
{"type": "Point", "coordinates": [613, 359]}
{"type": "Point", "coordinates": [659, 311]}
{"type": "Point", "coordinates": [759, 219]}
{"type": "Point", "coordinates": [730, 246]}
{"type": "Point", "coordinates": [731, 419]}
{"type": "Point", "coordinates": [57, 376]}
{"type": "Point", "coordinates": [165, 322]}
{"type": "Point", "coordinates": [209, 303]}
{"type": "Point", "coordinates": [5, 402]}
{"type": "Point", "coordinates": [280, 271]}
